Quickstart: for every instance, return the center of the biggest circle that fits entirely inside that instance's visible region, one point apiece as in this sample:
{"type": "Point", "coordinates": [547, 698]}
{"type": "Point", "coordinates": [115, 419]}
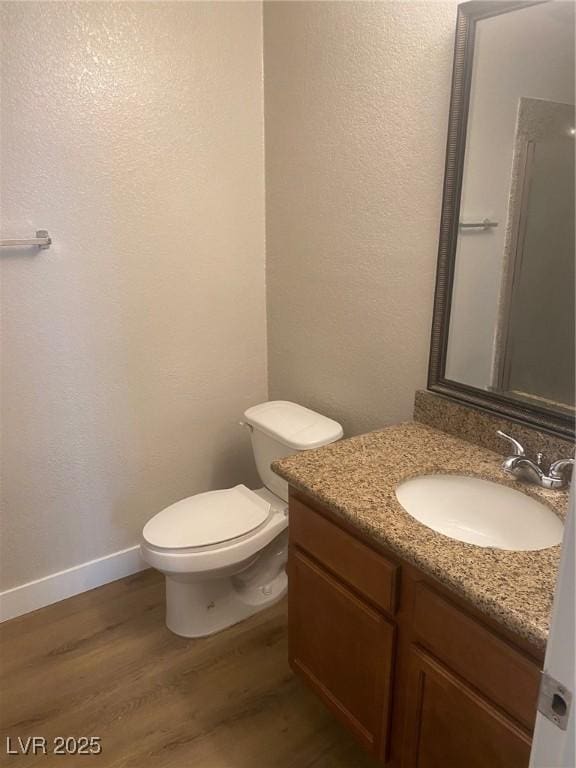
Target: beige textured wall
{"type": "Point", "coordinates": [134, 132]}
{"type": "Point", "coordinates": [356, 98]}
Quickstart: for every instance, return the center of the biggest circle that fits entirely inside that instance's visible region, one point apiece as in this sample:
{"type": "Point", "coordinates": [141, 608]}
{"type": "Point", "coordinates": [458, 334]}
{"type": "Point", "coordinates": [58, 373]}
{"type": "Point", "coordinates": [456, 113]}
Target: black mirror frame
{"type": "Point", "coordinates": [547, 420]}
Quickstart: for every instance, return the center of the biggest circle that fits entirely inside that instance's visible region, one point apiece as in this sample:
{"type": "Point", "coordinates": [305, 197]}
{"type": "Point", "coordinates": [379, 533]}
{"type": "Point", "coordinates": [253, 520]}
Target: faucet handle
{"type": "Point", "coordinates": [559, 469]}
{"type": "Point", "coordinates": [518, 447]}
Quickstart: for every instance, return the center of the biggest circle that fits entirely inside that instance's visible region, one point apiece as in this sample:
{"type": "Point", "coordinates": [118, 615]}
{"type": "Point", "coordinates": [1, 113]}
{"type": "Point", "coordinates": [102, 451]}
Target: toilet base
{"type": "Point", "coordinates": [198, 605]}
{"type": "Point", "coordinates": [201, 608]}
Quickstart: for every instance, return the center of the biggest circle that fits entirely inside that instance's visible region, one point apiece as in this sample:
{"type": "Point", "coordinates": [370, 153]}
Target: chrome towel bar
{"type": "Point", "coordinates": [484, 224]}
{"type": "Point", "coordinates": [42, 240]}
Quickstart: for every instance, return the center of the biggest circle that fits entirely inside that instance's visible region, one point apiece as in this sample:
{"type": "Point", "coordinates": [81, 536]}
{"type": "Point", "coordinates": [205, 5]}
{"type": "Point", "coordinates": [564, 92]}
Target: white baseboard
{"type": "Point", "coordinates": [58, 586]}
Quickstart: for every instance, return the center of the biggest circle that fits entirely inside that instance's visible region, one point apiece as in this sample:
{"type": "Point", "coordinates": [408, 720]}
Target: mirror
{"type": "Point", "coordinates": [503, 331]}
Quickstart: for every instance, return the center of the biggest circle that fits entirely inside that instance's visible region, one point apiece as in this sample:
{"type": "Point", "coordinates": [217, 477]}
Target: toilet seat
{"type": "Point", "coordinates": [214, 557]}
{"type": "Point", "coordinates": [207, 520]}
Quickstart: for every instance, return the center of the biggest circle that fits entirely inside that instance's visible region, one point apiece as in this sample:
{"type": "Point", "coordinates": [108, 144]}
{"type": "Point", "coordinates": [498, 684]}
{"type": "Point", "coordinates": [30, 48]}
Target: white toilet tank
{"type": "Point", "coordinates": [280, 428]}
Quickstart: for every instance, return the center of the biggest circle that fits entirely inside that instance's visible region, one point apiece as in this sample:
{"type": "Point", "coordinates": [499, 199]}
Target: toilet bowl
{"type": "Point", "coordinates": [223, 553]}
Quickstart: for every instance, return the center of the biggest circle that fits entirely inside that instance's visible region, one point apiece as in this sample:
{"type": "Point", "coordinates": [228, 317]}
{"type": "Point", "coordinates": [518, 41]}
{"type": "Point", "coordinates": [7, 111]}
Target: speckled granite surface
{"type": "Point", "coordinates": [479, 427]}
{"type": "Point", "coordinates": [356, 478]}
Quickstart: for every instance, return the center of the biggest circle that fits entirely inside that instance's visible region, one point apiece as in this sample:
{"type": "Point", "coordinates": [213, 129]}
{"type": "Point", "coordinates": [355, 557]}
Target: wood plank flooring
{"type": "Point", "coordinates": [104, 664]}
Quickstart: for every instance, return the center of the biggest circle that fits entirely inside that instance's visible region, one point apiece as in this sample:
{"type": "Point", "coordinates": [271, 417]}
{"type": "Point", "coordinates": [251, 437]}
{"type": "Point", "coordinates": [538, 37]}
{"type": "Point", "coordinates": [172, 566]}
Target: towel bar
{"type": "Point", "coordinates": [42, 240]}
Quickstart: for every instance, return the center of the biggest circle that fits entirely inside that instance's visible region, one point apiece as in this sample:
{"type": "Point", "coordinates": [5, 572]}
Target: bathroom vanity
{"type": "Point", "coordinates": [368, 631]}
{"type": "Point", "coordinates": [427, 649]}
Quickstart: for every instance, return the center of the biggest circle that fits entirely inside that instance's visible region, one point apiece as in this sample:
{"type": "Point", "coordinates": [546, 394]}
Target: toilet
{"type": "Point", "coordinates": [223, 553]}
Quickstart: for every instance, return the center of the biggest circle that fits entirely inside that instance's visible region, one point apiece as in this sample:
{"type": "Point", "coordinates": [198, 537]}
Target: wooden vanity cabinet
{"type": "Point", "coordinates": [447, 723]}
{"type": "Point", "coordinates": [417, 675]}
{"type": "Point", "coordinates": [350, 670]}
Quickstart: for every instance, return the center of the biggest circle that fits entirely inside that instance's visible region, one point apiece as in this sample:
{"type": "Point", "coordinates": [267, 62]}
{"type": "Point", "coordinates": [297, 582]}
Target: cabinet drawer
{"type": "Point", "coordinates": [502, 673]}
{"type": "Point", "coordinates": [369, 573]}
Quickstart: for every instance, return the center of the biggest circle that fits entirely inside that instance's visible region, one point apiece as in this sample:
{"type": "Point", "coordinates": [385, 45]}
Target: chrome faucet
{"type": "Point", "coordinates": [523, 468]}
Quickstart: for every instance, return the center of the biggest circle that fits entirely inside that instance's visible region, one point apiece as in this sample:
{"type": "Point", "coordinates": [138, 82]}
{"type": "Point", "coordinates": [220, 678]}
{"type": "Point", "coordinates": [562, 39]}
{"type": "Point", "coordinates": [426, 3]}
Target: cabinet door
{"type": "Point", "coordinates": [342, 648]}
{"type": "Point", "coordinates": [449, 724]}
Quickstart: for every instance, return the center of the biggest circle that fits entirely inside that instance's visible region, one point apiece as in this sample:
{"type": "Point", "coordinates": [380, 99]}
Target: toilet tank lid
{"type": "Point", "coordinates": [293, 425]}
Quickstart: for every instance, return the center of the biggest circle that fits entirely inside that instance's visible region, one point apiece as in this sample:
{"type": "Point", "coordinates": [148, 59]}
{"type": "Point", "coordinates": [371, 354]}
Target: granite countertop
{"type": "Point", "coordinates": [356, 478]}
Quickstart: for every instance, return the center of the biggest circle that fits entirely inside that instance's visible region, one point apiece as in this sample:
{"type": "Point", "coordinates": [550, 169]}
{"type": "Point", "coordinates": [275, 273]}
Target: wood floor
{"type": "Point", "coordinates": [104, 664]}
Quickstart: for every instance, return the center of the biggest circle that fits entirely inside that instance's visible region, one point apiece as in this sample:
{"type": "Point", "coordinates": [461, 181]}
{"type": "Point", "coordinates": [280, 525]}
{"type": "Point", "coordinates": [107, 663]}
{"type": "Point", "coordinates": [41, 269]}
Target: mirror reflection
{"type": "Point", "coordinates": [512, 309]}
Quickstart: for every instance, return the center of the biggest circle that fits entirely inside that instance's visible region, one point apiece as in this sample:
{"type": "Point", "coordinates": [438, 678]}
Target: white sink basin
{"type": "Point", "coordinates": [480, 512]}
